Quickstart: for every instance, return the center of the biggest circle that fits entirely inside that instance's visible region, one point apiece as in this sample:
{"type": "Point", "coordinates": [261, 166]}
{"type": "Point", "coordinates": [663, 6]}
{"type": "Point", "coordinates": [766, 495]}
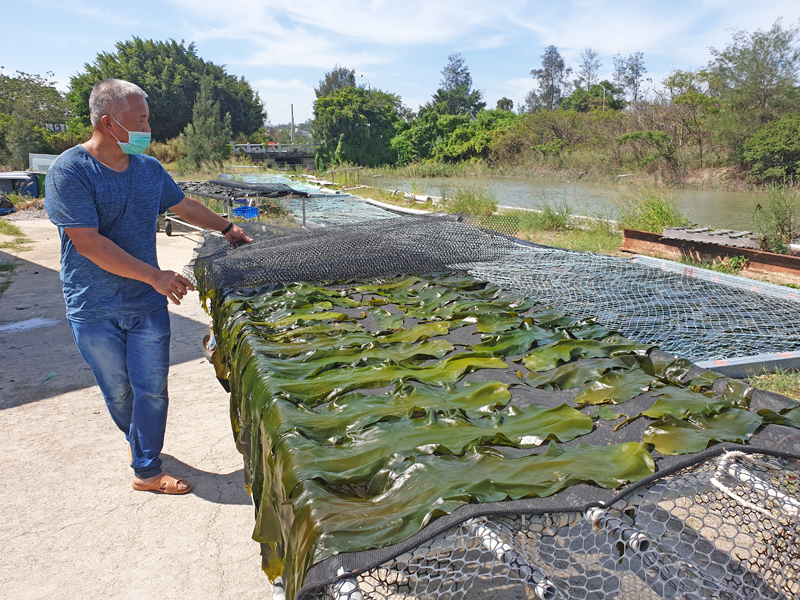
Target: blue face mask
{"type": "Point", "coordinates": [138, 141]}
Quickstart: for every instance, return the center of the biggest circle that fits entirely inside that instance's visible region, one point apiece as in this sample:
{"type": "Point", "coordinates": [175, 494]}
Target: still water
{"type": "Point", "coordinates": [730, 210]}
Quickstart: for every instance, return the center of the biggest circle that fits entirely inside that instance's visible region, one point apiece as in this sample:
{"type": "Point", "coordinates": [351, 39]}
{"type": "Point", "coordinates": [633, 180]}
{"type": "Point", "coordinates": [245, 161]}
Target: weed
{"type": "Point", "coordinates": [649, 209]}
{"type": "Point", "coordinates": [576, 239]}
{"type": "Point", "coordinates": [781, 382]}
{"type": "Point", "coordinates": [7, 228]}
{"type": "Point", "coordinates": [18, 199]}
{"type": "Point", "coordinates": [779, 220]}
{"type": "Point", "coordinates": [730, 265]}
{"type": "Point", "coordinates": [11, 230]}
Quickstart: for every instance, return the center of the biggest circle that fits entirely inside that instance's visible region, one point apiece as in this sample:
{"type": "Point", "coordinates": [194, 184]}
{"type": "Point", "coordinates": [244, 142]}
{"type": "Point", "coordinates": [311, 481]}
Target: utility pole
{"type": "Point", "coordinates": [292, 124]}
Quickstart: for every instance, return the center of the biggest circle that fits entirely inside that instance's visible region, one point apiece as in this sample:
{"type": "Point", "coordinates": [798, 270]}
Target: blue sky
{"type": "Point", "coordinates": [284, 48]}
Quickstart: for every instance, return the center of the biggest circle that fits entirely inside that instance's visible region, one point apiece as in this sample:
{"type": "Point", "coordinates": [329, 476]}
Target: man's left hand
{"type": "Point", "coordinates": [236, 236]}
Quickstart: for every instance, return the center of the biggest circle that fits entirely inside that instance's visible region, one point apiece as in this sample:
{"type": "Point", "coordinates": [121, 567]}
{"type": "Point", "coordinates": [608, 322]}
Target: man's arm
{"type": "Point", "coordinates": [192, 211]}
{"type": "Point", "coordinates": [110, 257]}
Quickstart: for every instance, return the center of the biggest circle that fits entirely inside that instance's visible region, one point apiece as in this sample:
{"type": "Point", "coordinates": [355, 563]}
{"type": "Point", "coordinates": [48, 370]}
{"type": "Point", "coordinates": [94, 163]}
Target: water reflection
{"type": "Point", "coordinates": [731, 210]}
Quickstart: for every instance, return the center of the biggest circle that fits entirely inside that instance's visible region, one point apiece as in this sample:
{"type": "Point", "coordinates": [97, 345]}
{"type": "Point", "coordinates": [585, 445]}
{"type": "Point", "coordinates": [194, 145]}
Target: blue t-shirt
{"type": "Point", "coordinates": [124, 207]}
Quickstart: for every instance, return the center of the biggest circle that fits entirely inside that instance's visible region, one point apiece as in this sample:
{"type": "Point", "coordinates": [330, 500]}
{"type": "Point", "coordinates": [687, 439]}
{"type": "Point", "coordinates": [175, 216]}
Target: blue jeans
{"type": "Point", "coordinates": [129, 358]}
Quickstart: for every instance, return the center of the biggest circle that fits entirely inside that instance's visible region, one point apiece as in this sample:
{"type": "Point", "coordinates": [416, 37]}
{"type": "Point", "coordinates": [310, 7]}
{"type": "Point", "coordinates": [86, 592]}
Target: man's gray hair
{"type": "Point", "coordinates": [110, 97]}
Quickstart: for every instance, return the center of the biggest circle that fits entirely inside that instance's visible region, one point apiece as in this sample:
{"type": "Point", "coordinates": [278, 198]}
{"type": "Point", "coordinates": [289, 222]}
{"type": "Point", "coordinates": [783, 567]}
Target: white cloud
{"type": "Point", "coordinates": [278, 95]}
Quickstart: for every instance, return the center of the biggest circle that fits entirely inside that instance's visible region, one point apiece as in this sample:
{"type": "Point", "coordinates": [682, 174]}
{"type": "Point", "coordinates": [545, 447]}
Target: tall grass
{"type": "Point", "coordinates": [649, 209]}
{"type": "Point", "coordinates": [471, 196]}
{"type": "Point", "coordinates": [420, 170]}
{"type": "Point", "coordinates": [549, 217]}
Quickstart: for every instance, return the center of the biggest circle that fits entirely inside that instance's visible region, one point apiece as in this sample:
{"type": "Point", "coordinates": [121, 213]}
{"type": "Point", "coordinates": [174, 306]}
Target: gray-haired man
{"type": "Point", "coordinates": [105, 197]}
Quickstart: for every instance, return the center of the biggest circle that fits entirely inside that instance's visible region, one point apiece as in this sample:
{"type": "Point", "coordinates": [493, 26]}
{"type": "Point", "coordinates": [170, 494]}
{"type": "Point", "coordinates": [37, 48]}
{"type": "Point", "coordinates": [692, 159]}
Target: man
{"type": "Point", "coordinates": [105, 197]}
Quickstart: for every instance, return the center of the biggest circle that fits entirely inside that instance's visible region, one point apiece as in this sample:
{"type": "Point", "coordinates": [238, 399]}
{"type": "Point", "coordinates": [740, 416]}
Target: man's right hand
{"type": "Point", "coordinates": [171, 284]}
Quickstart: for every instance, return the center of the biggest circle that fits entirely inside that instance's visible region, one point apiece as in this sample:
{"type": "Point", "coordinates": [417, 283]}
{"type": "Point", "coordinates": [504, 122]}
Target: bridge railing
{"type": "Point", "coordinates": [275, 148]}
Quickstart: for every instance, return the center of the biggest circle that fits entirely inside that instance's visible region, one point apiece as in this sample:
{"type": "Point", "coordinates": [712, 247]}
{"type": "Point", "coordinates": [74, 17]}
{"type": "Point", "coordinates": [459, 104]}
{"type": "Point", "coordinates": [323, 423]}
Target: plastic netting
{"type": "Point", "coordinates": [688, 316]}
{"type": "Point", "coordinates": [725, 528]}
{"type": "Point", "coordinates": [337, 209]}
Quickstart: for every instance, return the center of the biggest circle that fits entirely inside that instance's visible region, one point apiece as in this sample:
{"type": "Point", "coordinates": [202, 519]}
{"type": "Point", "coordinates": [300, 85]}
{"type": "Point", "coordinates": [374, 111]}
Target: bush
{"type": "Point", "coordinates": [773, 151]}
{"type": "Point", "coordinates": [649, 210]}
{"type": "Point", "coordinates": [168, 152]}
{"type": "Point", "coordinates": [77, 133]}
{"type": "Point", "coordinates": [778, 221]}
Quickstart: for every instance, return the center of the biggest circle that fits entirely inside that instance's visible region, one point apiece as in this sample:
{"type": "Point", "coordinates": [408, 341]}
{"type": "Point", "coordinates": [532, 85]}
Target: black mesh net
{"type": "Point", "coordinates": [380, 248]}
{"type": "Point", "coordinates": [223, 189]}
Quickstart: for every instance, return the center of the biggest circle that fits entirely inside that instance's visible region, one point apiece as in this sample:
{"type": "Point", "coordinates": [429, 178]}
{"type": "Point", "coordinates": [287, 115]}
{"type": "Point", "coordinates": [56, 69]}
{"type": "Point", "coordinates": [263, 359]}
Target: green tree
{"type": "Point", "coordinates": [773, 152]}
{"type": "Point", "coordinates": [207, 138]}
{"type": "Point", "coordinates": [505, 104]}
{"type": "Point", "coordinates": [455, 95]}
{"type": "Point", "coordinates": [470, 139]}
{"type": "Point", "coordinates": [28, 103]}
{"type": "Point", "coordinates": [170, 73]}
{"type": "Point", "coordinates": [757, 72]}
{"type": "Point", "coordinates": [356, 126]}
{"type": "Point", "coordinates": [337, 78]}
{"type": "Point", "coordinates": [588, 69]}
{"type": "Point", "coordinates": [418, 140]}
{"type": "Point", "coordinates": [629, 74]}
{"type": "Point", "coordinates": [552, 80]}
{"type": "Point", "coordinates": [593, 99]}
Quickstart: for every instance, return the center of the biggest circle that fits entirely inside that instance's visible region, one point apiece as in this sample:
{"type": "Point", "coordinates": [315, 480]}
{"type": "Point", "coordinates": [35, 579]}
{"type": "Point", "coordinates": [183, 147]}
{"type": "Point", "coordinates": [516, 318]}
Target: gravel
{"type": "Point", "coordinates": [35, 211]}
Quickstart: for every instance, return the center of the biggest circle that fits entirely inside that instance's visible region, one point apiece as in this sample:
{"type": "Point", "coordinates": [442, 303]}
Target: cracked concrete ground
{"type": "Point", "coordinates": [71, 525]}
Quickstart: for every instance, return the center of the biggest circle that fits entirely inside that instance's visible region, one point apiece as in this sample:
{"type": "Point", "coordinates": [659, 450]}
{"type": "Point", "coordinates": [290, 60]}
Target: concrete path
{"type": "Point", "coordinates": [71, 525]}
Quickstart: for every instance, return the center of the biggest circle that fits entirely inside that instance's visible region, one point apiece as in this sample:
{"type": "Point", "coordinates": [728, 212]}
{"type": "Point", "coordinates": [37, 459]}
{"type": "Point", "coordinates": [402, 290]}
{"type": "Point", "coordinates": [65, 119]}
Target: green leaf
{"type": "Point", "coordinates": [494, 322]}
{"type": "Point", "coordinates": [386, 320]}
{"type": "Point", "coordinates": [681, 403]}
{"type": "Point", "coordinates": [789, 416]}
{"type": "Point", "coordinates": [676, 436]}
{"type": "Point", "coordinates": [617, 387]}
{"type": "Point", "coordinates": [605, 413]}
{"type": "Point", "coordinates": [576, 374]}
{"type": "Point", "coordinates": [704, 381]}
{"type": "Point", "coordinates": [668, 370]}
{"type": "Point", "coordinates": [516, 341]}
{"type": "Point", "coordinates": [553, 319]}
{"type": "Point", "coordinates": [563, 351]}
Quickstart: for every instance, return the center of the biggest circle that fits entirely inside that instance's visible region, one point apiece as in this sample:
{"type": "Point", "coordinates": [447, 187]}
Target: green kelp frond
{"type": "Point", "coordinates": [356, 432]}
{"type": "Point", "coordinates": [676, 436]}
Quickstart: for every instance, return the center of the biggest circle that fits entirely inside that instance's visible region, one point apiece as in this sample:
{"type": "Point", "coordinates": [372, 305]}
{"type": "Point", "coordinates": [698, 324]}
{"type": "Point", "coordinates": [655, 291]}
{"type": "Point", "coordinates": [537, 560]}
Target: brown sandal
{"type": "Point", "coordinates": [166, 484]}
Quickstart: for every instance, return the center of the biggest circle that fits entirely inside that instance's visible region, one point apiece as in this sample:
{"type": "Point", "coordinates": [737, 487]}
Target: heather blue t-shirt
{"type": "Point", "coordinates": [124, 207]}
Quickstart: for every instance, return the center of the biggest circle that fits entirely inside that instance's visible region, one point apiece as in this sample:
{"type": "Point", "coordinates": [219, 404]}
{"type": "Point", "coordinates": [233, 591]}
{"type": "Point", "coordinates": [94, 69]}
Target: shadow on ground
{"type": "Point", "coordinates": [219, 488]}
{"type": "Point", "coordinates": [42, 363]}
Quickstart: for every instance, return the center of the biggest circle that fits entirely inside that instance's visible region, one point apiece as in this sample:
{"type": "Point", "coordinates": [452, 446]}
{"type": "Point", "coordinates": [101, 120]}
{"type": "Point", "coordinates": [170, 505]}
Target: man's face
{"type": "Point", "coordinates": [134, 119]}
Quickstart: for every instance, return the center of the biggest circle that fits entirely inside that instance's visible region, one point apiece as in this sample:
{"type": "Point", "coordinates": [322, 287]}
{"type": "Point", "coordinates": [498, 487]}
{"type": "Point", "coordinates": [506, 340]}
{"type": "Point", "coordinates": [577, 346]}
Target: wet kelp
{"type": "Point", "coordinates": [365, 410]}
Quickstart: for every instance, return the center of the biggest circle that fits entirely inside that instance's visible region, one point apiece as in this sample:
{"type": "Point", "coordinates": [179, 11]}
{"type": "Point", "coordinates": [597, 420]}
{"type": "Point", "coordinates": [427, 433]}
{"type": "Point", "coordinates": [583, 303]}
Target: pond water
{"type": "Point", "coordinates": [731, 210]}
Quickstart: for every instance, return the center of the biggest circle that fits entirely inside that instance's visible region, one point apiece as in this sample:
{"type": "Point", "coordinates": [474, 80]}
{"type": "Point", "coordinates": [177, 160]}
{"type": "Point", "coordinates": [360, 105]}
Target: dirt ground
{"type": "Point", "coordinates": [72, 527]}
